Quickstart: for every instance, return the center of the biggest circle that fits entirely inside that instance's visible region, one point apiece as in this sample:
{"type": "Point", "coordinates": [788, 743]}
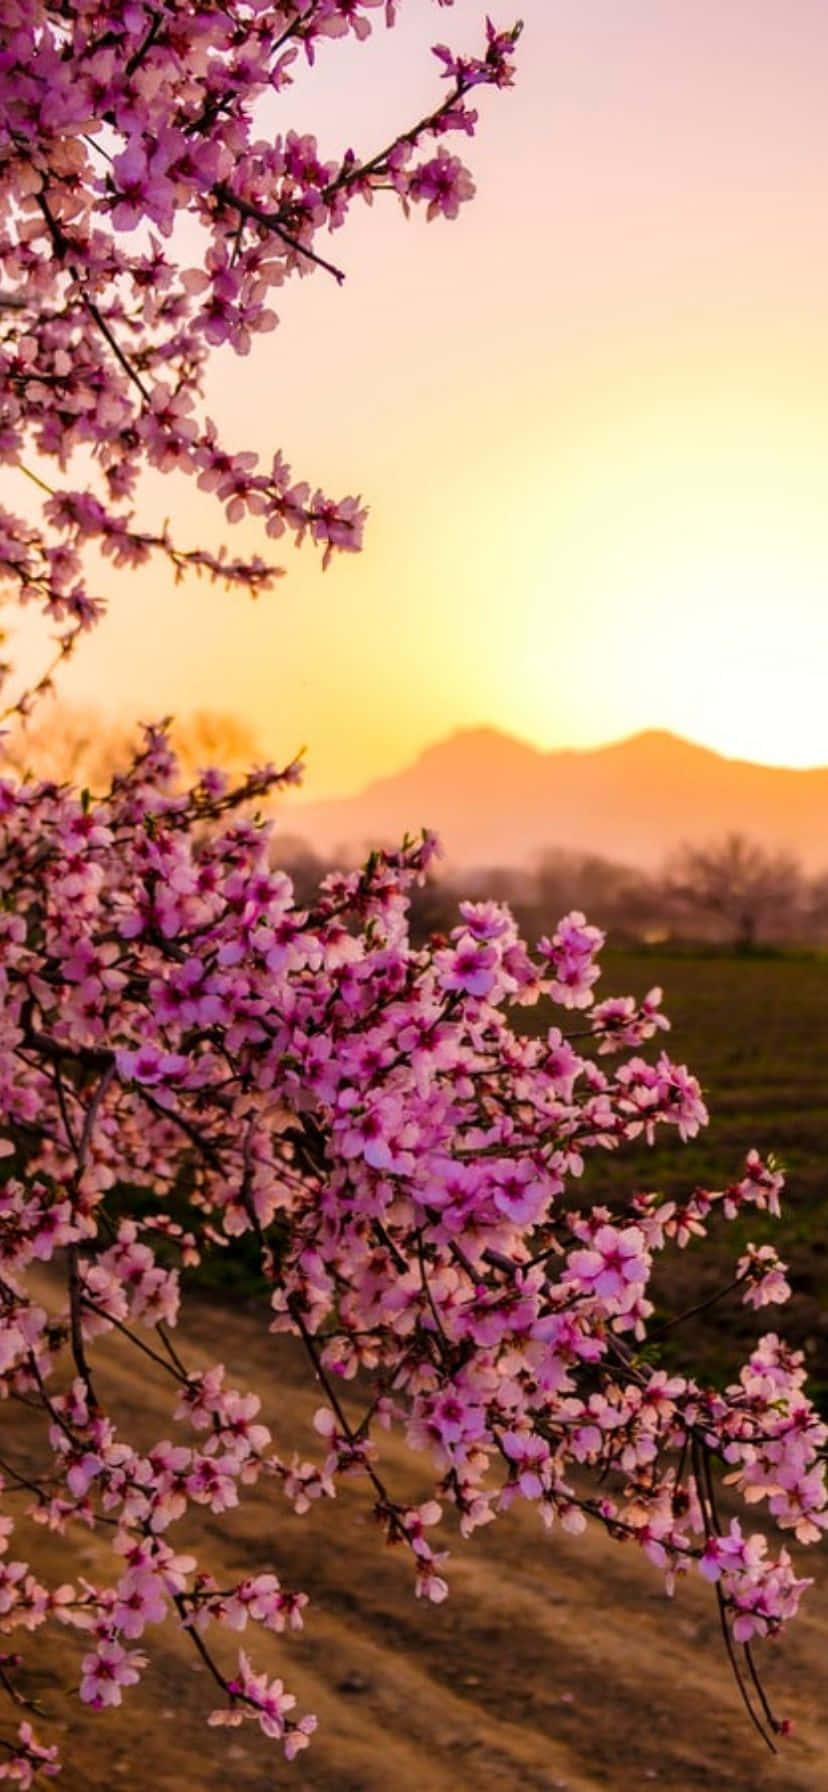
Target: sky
{"type": "Point", "coordinates": [590, 417]}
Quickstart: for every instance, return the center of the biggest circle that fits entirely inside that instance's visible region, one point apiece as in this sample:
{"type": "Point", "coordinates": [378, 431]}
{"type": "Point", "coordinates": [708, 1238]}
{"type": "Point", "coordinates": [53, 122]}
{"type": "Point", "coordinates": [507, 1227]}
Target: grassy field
{"type": "Point", "coordinates": [754, 1030]}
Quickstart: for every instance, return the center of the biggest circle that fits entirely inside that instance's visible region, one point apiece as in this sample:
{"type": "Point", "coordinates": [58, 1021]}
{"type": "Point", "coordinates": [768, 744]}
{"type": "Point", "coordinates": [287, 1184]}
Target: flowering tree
{"type": "Point", "coordinates": [371, 1114]}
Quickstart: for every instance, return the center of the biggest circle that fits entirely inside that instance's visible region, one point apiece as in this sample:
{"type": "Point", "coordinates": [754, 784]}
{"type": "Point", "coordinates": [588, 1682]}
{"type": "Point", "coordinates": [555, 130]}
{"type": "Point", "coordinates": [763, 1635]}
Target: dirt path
{"type": "Point", "coordinates": [555, 1662]}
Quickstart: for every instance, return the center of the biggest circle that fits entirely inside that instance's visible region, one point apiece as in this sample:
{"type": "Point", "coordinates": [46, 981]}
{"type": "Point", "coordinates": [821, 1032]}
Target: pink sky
{"type": "Point", "coordinates": [591, 417]}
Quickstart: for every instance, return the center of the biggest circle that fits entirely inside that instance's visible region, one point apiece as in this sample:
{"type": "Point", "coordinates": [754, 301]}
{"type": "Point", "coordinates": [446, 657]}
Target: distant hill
{"type": "Point", "coordinates": [497, 800]}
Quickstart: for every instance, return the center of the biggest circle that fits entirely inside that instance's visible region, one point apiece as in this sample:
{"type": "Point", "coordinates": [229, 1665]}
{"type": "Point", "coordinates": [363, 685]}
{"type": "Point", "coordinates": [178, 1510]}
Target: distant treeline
{"type": "Point", "coordinates": [731, 891]}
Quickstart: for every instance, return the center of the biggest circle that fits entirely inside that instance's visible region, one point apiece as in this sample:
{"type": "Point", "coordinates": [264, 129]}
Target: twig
{"type": "Point", "coordinates": [271, 221]}
{"type": "Point", "coordinates": [177, 1374]}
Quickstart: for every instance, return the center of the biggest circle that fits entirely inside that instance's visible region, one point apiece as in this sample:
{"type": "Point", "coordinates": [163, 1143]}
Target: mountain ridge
{"type": "Point", "coordinates": [497, 799]}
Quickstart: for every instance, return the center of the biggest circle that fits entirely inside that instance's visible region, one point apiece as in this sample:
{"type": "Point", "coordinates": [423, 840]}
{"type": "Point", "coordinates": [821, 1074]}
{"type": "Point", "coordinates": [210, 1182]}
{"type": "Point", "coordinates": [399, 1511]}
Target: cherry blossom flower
{"type": "Point", "coordinates": [105, 1670]}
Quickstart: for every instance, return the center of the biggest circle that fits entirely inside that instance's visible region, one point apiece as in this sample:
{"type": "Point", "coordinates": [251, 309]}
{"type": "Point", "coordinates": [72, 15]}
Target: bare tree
{"type": "Point", "coordinates": [65, 742]}
{"type": "Point", "coordinates": [817, 908]}
{"type": "Point", "coordinates": [739, 882]}
{"type": "Point", "coordinates": [68, 741]}
{"type": "Point", "coordinates": [618, 897]}
{"type": "Point", "coordinates": [209, 737]}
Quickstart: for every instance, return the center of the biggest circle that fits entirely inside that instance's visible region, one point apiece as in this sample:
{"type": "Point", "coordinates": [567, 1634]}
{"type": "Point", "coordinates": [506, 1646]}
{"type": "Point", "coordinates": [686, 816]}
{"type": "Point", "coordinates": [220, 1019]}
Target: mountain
{"type": "Point", "coordinates": [494, 799]}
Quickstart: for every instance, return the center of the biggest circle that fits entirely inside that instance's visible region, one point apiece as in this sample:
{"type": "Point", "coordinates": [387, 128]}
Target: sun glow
{"type": "Point", "coordinates": [655, 555]}
{"type": "Point", "coordinates": [668, 560]}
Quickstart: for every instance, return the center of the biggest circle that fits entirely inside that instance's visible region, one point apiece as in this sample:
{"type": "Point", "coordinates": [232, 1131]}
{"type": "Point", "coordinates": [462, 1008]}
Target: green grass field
{"type": "Point", "coordinates": [754, 1030]}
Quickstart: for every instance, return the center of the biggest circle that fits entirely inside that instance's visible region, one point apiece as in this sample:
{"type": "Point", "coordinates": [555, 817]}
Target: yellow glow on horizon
{"type": "Point", "coordinates": [651, 552]}
{"type": "Point", "coordinates": [658, 559]}
{"type": "Point", "coordinates": [638, 540]}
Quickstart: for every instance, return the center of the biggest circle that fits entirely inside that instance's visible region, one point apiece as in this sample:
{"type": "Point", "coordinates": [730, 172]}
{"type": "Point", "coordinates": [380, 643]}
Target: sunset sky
{"type": "Point", "coordinates": [590, 417]}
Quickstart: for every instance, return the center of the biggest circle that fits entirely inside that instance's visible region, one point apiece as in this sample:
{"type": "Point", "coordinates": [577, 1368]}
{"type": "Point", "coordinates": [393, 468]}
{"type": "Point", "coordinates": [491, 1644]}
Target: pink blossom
{"type": "Point", "coordinates": [106, 1670]}
{"type": "Point", "coordinates": [471, 967]}
{"type": "Point", "coordinates": [571, 954]}
{"type": "Point", "coordinates": [443, 183]}
{"type": "Point", "coordinates": [614, 1261]}
{"type": "Point", "coordinates": [764, 1275]}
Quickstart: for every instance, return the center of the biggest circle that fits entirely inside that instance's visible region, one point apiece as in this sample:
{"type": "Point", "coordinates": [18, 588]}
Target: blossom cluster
{"type": "Point", "coordinates": [406, 1160]}
{"type": "Point", "coordinates": [116, 123]}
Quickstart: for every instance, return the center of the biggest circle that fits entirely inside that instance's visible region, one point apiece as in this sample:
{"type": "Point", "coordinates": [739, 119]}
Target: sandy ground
{"type": "Point", "coordinates": [555, 1662]}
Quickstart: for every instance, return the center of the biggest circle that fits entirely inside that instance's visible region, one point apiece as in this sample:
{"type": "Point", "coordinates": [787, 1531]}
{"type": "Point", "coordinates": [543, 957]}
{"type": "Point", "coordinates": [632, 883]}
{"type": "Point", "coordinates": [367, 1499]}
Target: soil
{"type": "Point", "coordinates": [556, 1662]}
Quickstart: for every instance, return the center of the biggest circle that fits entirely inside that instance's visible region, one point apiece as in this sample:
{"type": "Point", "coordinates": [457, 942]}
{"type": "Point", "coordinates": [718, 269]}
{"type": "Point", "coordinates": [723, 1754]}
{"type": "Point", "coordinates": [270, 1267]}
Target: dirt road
{"type": "Point", "coordinates": [555, 1663]}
